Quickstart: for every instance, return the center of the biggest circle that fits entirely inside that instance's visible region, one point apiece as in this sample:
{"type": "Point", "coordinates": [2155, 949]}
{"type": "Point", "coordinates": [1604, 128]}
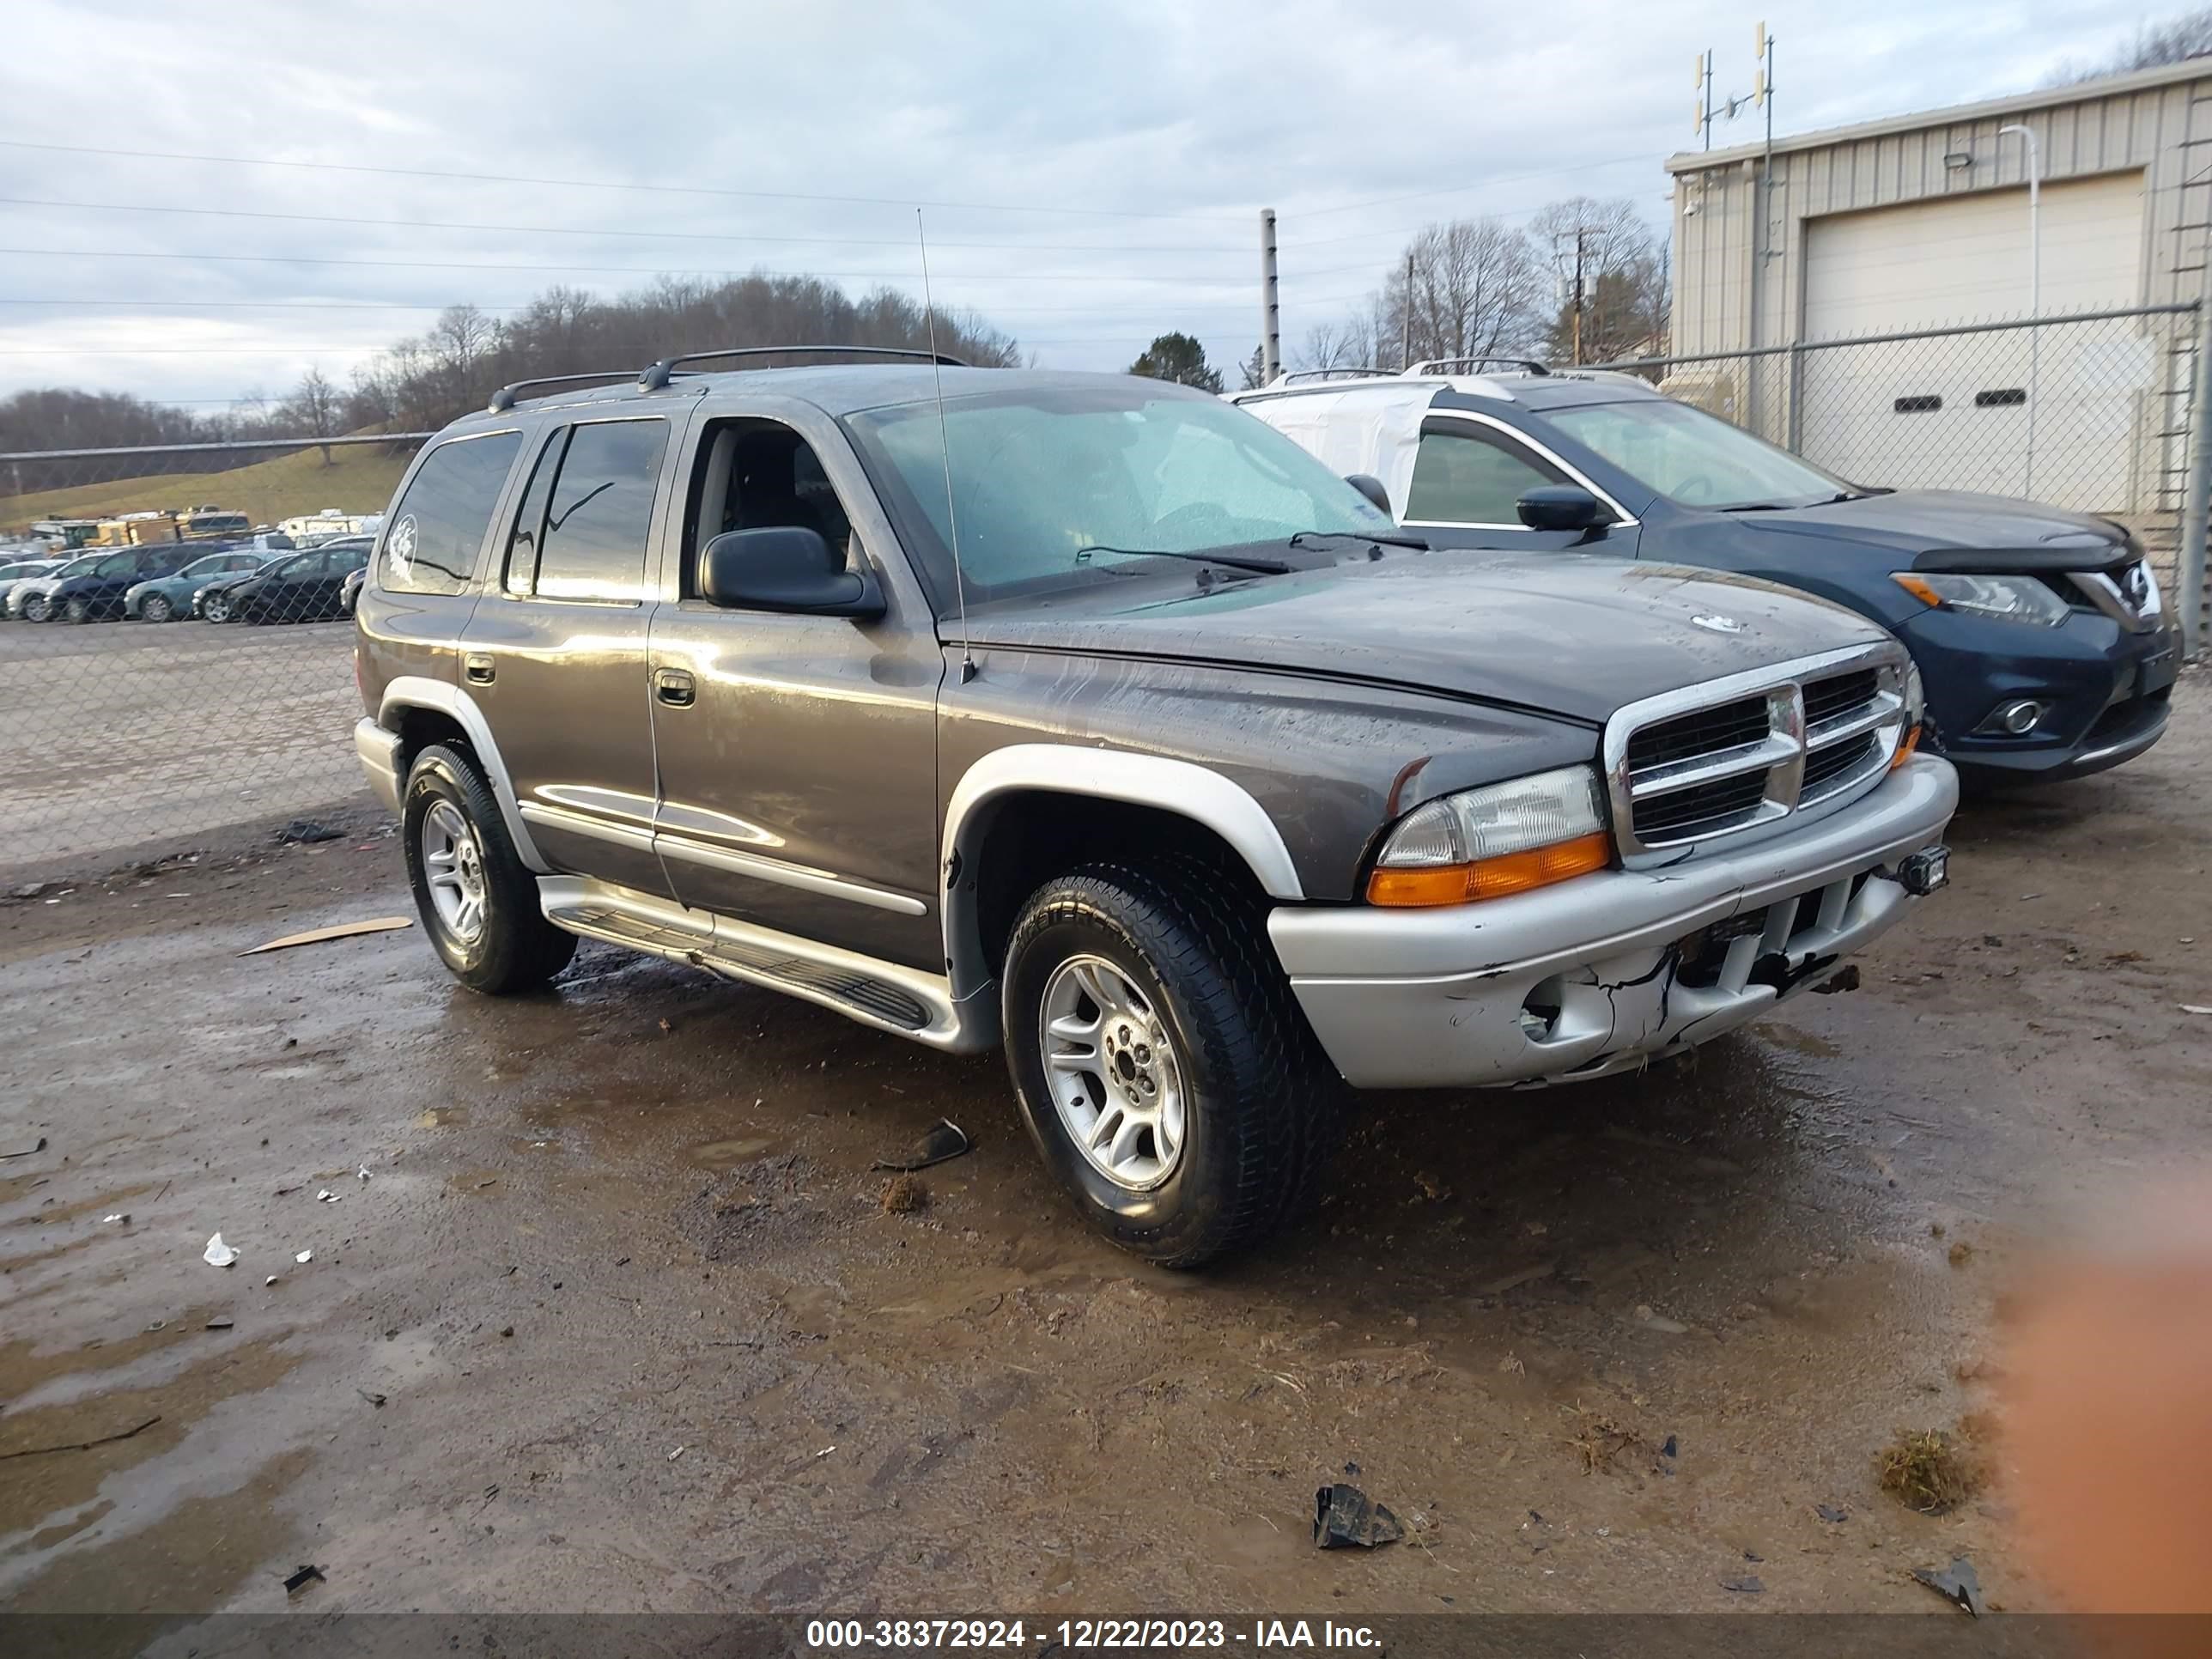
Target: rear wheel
{"type": "Point", "coordinates": [1161, 1062]}
{"type": "Point", "coordinates": [478, 903]}
{"type": "Point", "coordinates": [157, 608]}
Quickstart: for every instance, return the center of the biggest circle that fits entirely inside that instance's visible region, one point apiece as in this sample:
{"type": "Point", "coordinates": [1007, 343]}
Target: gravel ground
{"type": "Point", "coordinates": [619, 1320]}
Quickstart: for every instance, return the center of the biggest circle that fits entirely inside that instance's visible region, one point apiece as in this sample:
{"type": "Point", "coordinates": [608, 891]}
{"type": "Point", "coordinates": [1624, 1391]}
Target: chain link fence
{"type": "Point", "coordinates": [2089, 411]}
{"type": "Point", "coordinates": [176, 656]}
{"type": "Point", "coordinates": [185, 669]}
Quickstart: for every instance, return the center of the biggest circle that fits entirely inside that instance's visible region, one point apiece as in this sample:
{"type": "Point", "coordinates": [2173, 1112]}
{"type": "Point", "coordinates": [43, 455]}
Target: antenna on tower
{"type": "Point", "coordinates": [944, 445]}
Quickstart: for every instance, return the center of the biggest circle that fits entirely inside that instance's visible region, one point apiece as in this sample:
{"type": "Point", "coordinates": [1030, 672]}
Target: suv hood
{"type": "Point", "coordinates": [1924, 520]}
{"type": "Point", "coordinates": [1560, 634]}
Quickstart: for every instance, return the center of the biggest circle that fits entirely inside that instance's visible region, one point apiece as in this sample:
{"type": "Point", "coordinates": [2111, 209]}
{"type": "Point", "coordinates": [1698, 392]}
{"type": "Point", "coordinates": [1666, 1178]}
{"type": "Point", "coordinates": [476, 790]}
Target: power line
{"type": "Point", "coordinates": [721, 273]}
{"type": "Point", "coordinates": [1461, 189]}
{"type": "Point", "coordinates": [597, 183]}
{"type": "Point", "coordinates": [599, 231]}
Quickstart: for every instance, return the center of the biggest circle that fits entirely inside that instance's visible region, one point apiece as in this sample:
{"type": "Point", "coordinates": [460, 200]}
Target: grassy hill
{"type": "Point", "coordinates": [359, 479]}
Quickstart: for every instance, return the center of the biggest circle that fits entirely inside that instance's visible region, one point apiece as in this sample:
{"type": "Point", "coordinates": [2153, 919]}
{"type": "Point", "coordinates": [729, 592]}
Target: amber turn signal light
{"type": "Point", "coordinates": [1904, 748]}
{"type": "Point", "coordinates": [1492, 878]}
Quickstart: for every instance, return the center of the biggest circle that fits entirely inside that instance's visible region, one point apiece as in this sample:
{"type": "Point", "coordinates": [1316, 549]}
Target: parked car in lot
{"type": "Point", "coordinates": [2039, 633]}
{"type": "Point", "coordinates": [97, 594]}
{"type": "Point", "coordinates": [165, 599]}
{"type": "Point", "coordinates": [19, 571]}
{"type": "Point", "coordinates": [291, 587]}
{"type": "Point", "coordinates": [1086, 716]}
{"type": "Point", "coordinates": [30, 598]}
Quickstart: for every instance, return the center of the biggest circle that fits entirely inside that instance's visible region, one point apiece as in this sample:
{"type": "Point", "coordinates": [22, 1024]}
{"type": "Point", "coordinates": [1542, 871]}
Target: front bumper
{"type": "Point", "coordinates": [378, 752]}
{"type": "Point", "coordinates": [1608, 971]}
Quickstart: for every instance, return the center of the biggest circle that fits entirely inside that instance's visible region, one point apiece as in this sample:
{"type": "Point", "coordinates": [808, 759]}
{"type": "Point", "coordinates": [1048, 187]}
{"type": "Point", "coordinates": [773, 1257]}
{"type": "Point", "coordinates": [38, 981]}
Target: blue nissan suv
{"type": "Point", "coordinates": [2040, 635]}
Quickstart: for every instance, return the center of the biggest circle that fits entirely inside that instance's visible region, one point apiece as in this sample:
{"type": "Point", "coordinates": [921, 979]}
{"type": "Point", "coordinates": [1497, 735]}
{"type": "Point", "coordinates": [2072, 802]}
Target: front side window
{"type": "Point", "coordinates": [1696, 459]}
{"type": "Point", "coordinates": [1066, 486]}
{"type": "Point", "coordinates": [1470, 476]}
{"type": "Point", "coordinates": [431, 543]}
{"type": "Point", "coordinates": [600, 511]}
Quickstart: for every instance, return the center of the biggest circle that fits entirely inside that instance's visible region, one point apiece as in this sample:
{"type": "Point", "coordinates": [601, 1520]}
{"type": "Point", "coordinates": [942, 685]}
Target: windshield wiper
{"type": "Point", "coordinates": [1755, 506]}
{"type": "Point", "coordinates": [1235, 562]}
{"type": "Point", "coordinates": [1413, 541]}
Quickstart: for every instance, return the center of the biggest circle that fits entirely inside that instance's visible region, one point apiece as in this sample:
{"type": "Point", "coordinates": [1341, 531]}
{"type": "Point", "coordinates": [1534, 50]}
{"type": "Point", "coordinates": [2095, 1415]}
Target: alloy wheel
{"type": "Point", "coordinates": [1110, 1062]}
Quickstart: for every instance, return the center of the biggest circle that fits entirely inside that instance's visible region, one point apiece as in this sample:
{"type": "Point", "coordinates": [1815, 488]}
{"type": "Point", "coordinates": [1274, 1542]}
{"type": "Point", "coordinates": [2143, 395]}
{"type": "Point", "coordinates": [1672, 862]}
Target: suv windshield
{"type": "Point", "coordinates": [1064, 486]}
{"type": "Point", "coordinates": [1693, 457]}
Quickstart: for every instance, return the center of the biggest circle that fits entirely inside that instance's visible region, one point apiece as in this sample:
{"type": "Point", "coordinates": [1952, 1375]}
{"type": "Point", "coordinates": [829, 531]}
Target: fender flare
{"type": "Point", "coordinates": [1191, 791]}
{"type": "Point", "coordinates": [418, 691]}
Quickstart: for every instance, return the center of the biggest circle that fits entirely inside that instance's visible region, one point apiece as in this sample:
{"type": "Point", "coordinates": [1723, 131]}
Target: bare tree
{"type": "Point", "coordinates": [1467, 289]}
{"type": "Point", "coordinates": [313, 409]}
{"type": "Point", "coordinates": [1622, 268]}
{"type": "Point", "coordinates": [2174, 39]}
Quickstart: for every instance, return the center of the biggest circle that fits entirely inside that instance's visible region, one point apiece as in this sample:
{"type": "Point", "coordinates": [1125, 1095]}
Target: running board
{"type": "Point", "coordinates": [884, 995]}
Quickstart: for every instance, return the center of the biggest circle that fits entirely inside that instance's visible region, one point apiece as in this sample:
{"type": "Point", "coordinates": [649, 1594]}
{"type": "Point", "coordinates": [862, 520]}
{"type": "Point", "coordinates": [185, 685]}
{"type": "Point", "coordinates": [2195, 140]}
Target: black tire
{"type": "Point", "coordinates": [216, 608]}
{"type": "Point", "coordinates": [516, 948]}
{"type": "Point", "coordinates": [77, 610]}
{"type": "Point", "coordinates": [156, 608]}
{"type": "Point", "coordinates": [1263, 1102]}
{"type": "Point", "coordinates": [38, 608]}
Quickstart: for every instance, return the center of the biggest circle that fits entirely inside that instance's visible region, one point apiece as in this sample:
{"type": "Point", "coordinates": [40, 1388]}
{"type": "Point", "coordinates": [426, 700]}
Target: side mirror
{"type": "Point", "coordinates": [1562, 507]}
{"type": "Point", "coordinates": [1371, 487]}
{"type": "Point", "coordinates": [784, 568]}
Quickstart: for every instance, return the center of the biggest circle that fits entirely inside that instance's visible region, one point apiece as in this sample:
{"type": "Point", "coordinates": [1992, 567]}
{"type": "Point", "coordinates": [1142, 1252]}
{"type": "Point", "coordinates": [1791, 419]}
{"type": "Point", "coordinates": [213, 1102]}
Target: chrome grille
{"type": "Point", "coordinates": [2128, 595]}
{"type": "Point", "coordinates": [1750, 750]}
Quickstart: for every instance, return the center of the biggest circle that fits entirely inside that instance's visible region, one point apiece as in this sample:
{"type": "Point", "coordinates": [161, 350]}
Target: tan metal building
{"type": "Point", "coordinates": [1922, 221]}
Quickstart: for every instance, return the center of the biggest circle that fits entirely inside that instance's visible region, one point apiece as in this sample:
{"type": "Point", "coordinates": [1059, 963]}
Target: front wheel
{"type": "Point", "coordinates": [478, 903]}
{"type": "Point", "coordinates": [38, 608]}
{"type": "Point", "coordinates": [1161, 1062]}
{"type": "Point", "coordinates": [77, 610]}
{"type": "Point", "coordinates": [216, 608]}
{"type": "Point", "coordinates": [157, 608]}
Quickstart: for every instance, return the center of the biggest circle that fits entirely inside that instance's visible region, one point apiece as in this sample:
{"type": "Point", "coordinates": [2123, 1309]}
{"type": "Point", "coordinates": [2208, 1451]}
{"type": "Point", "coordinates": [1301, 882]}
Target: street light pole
{"type": "Point", "coordinates": [2034, 286]}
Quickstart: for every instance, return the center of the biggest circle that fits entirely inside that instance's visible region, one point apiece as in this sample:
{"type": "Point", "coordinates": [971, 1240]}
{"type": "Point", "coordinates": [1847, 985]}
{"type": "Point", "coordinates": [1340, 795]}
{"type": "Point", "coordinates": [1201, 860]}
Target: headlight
{"type": "Point", "coordinates": [2012, 598]}
{"type": "Point", "coordinates": [1489, 843]}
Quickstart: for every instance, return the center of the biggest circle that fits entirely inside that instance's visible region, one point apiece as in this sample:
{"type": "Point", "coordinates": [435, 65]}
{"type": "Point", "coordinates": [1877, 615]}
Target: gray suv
{"type": "Point", "coordinates": [1089, 716]}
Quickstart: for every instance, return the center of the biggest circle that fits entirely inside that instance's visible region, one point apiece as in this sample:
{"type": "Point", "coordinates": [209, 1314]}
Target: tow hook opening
{"type": "Point", "coordinates": [1540, 1008]}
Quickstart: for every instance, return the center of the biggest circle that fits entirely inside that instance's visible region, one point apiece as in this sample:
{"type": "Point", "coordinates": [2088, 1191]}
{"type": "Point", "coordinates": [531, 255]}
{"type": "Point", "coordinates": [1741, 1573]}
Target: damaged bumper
{"type": "Point", "coordinates": [1606, 972]}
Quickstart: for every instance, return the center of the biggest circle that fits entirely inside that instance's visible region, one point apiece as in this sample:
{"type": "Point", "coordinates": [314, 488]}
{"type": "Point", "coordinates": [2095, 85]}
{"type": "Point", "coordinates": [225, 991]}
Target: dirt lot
{"type": "Point", "coordinates": [123, 733]}
{"type": "Point", "coordinates": [618, 1321]}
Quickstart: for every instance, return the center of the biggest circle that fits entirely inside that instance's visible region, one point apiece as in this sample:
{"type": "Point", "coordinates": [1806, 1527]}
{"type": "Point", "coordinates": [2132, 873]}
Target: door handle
{"type": "Point", "coordinates": [479, 668]}
{"type": "Point", "coordinates": [675, 687]}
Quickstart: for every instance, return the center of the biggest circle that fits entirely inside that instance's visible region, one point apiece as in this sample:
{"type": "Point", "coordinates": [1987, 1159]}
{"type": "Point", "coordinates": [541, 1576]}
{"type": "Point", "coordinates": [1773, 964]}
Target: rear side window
{"type": "Point", "coordinates": [598, 512]}
{"type": "Point", "coordinates": [430, 545]}
{"type": "Point", "coordinates": [1462, 478]}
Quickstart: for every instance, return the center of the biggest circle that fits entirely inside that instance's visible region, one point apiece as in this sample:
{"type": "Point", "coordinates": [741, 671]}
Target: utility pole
{"type": "Point", "coordinates": [1271, 305]}
{"type": "Point", "coordinates": [1578, 294]}
{"type": "Point", "coordinates": [1406, 319]}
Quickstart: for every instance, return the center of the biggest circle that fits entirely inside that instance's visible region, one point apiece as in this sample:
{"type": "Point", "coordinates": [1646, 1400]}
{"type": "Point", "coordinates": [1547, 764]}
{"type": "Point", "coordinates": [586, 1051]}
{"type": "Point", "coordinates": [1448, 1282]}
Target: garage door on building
{"type": "Point", "coordinates": [1956, 412]}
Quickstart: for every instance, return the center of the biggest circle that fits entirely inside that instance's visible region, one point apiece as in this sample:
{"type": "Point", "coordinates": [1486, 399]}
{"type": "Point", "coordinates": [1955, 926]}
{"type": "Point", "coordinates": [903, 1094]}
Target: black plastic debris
{"type": "Point", "coordinates": [1844, 978]}
{"type": "Point", "coordinates": [305, 829]}
{"type": "Point", "coordinates": [1829, 1512]}
{"type": "Point", "coordinates": [948, 1140]}
{"type": "Point", "coordinates": [1754, 1558]}
{"type": "Point", "coordinates": [19, 1151]}
{"type": "Point", "coordinates": [1346, 1519]}
{"type": "Point", "coordinates": [1669, 1449]}
{"type": "Point", "coordinates": [1351, 1468]}
{"type": "Point", "coordinates": [373, 1399]}
{"type": "Point", "coordinates": [1956, 1583]}
{"type": "Point", "coordinates": [307, 1575]}
{"type": "Point", "coordinates": [1749, 1585]}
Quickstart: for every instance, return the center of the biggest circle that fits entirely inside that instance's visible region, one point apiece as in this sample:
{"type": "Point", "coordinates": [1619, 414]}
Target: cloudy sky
{"type": "Point", "coordinates": [1091, 174]}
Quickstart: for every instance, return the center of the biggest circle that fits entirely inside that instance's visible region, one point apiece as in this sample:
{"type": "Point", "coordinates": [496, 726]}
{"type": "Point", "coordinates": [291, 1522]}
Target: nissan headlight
{"type": "Point", "coordinates": [2008, 598]}
{"type": "Point", "coordinates": [1501, 839]}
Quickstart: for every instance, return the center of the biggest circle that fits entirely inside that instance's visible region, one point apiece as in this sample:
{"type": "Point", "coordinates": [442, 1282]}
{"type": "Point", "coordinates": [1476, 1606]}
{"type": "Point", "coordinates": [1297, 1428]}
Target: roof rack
{"type": "Point", "coordinates": [1432, 365]}
{"type": "Point", "coordinates": [504, 398]}
{"type": "Point", "coordinates": [659, 375]}
{"type": "Point", "coordinates": [1347, 370]}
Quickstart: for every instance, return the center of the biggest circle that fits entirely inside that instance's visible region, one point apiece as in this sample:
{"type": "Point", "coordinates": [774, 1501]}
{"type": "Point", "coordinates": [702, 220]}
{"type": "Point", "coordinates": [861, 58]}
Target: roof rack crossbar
{"type": "Point", "coordinates": [1347, 369]}
{"type": "Point", "coordinates": [657, 376]}
{"type": "Point", "coordinates": [504, 398]}
{"type": "Point", "coordinates": [1431, 365]}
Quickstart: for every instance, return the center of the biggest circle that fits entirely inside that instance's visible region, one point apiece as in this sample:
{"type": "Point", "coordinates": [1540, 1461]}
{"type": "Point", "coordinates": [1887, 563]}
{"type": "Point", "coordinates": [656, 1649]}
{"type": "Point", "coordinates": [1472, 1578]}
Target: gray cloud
{"type": "Point", "coordinates": [1100, 166]}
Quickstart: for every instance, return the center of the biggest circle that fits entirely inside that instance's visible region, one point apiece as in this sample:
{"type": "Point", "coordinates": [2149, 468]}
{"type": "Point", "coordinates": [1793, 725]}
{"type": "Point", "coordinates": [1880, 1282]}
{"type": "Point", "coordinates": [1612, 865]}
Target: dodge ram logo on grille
{"type": "Point", "coordinates": [1718, 624]}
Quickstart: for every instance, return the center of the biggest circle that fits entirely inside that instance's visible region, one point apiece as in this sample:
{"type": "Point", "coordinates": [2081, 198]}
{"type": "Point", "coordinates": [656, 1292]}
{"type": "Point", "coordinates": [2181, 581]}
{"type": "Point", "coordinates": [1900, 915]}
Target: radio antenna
{"type": "Point", "coordinates": [945, 445]}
